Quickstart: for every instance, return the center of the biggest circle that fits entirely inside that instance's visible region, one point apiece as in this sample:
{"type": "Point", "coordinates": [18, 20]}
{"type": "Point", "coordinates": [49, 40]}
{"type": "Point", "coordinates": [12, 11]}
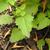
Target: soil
{"type": "Point", "coordinates": [29, 43]}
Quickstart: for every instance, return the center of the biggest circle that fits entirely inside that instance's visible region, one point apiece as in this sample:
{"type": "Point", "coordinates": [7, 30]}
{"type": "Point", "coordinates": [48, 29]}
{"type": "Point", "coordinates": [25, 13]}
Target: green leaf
{"type": "Point", "coordinates": [40, 43]}
{"type": "Point", "coordinates": [16, 35]}
{"type": "Point", "coordinates": [41, 21]}
{"type": "Point", "coordinates": [25, 24]}
{"type": "Point", "coordinates": [24, 17]}
{"type": "Point", "coordinates": [5, 19]}
{"type": "Point", "coordinates": [3, 5]}
{"type": "Point", "coordinates": [35, 8]}
{"type": "Point", "coordinates": [31, 7]}
{"type": "Point", "coordinates": [48, 42]}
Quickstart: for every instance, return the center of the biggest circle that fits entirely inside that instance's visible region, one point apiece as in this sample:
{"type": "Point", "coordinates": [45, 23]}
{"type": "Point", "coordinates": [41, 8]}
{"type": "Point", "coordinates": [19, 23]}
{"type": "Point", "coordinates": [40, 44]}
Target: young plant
{"type": "Point", "coordinates": [27, 15]}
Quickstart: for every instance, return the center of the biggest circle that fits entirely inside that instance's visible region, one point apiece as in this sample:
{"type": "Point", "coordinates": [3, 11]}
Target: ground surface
{"type": "Point", "coordinates": [25, 44]}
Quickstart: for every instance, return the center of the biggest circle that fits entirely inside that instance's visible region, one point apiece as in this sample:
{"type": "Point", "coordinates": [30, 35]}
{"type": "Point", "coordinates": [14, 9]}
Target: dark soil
{"type": "Point", "coordinates": [29, 43]}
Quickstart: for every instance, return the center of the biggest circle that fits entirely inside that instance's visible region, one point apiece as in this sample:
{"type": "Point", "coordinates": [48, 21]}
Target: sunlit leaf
{"type": "Point", "coordinates": [3, 5]}
{"type": "Point", "coordinates": [41, 21]}
{"type": "Point", "coordinates": [25, 24]}
{"type": "Point", "coordinates": [16, 35]}
{"type": "Point", "coordinates": [5, 19]}
{"type": "Point", "coordinates": [24, 17]}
